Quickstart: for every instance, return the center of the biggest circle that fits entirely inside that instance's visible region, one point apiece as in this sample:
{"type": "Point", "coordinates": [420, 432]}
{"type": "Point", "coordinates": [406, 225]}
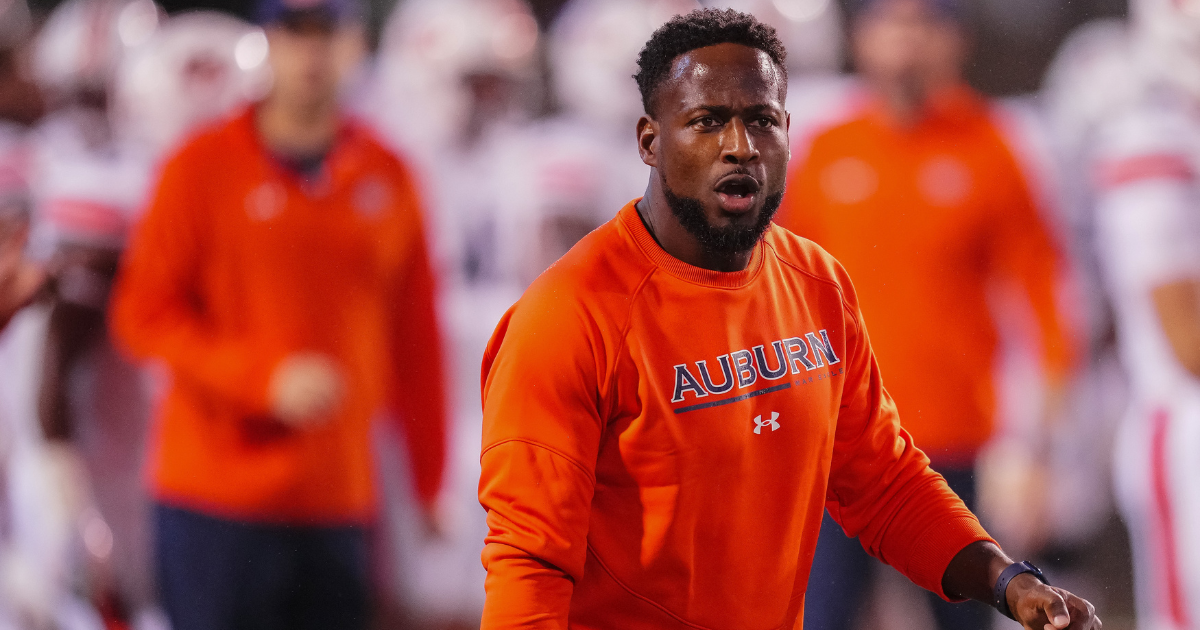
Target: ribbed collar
{"type": "Point", "coordinates": [343, 155]}
{"type": "Point", "coordinates": [633, 225]}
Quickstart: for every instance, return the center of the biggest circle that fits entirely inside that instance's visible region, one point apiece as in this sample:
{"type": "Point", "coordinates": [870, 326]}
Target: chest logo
{"type": "Point", "coordinates": [741, 369]}
{"type": "Point", "coordinates": [266, 201]}
{"type": "Point", "coordinates": [371, 198]}
{"type": "Point", "coordinates": [760, 424]}
{"type": "Point", "coordinates": [945, 181]}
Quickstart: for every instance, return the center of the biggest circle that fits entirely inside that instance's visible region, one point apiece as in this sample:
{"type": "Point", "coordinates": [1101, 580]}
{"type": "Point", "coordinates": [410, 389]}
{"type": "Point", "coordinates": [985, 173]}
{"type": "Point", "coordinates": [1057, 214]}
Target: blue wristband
{"type": "Point", "coordinates": [1000, 593]}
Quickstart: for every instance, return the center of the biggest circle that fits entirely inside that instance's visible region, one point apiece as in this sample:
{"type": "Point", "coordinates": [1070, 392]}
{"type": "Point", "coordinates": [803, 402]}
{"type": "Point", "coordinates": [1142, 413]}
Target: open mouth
{"type": "Point", "coordinates": [737, 192]}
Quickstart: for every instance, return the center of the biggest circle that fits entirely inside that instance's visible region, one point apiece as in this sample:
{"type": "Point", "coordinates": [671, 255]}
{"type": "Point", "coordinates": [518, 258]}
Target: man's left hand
{"type": "Point", "coordinates": [1039, 606]}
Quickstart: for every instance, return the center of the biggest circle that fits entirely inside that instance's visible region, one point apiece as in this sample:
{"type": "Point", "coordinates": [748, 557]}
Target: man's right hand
{"type": "Point", "coordinates": [306, 388]}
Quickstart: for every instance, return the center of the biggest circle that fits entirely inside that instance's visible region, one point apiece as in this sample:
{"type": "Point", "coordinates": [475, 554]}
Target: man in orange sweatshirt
{"type": "Point", "coordinates": [669, 409]}
{"type": "Point", "coordinates": [281, 275]}
{"type": "Point", "coordinates": [921, 198]}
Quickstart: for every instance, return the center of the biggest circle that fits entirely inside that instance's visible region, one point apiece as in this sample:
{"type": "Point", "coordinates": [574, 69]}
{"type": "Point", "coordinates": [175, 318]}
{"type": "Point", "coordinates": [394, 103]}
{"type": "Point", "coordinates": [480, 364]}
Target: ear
{"type": "Point", "coordinates": [787, 127]}
{"type": "Point", "coordinates": [647, 140]}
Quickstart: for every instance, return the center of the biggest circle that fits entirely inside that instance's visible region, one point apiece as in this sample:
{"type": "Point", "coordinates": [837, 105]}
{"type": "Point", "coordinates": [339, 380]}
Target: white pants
{"type": "Point", "coordinates": [1157, 476]}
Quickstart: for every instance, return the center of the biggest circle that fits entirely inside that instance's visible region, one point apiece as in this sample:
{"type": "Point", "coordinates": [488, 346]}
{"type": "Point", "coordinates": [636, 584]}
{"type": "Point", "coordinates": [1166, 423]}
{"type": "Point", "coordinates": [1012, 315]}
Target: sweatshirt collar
{"type": "Point", "coordinates": [952, 105]}
{"type": "Point", "coordinates": [632, 223]}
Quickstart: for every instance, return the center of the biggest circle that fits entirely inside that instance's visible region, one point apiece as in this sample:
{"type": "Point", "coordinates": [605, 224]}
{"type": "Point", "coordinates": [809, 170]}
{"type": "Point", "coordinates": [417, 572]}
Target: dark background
{"type": "Point", "coordinates": [1014, 39]}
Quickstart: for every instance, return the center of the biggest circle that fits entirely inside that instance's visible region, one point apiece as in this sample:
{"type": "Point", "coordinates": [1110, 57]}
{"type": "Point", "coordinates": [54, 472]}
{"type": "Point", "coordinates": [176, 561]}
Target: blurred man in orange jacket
{"type": "Point", "coordinates": [922, 200]}
{"type": "Point", "coordinates": [281, 275]}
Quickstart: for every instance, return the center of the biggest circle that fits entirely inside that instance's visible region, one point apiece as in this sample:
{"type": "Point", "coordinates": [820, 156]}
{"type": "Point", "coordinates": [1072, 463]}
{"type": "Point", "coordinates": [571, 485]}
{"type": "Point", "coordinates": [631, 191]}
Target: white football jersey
{"type": "Point", "coordinates": [1146, 177]}
{"type": "Point", "coordinates": [85, 189]}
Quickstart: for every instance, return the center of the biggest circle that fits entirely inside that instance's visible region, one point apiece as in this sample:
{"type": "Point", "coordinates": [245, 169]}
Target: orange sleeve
{"type": "Point", "coordinates": [419, 389]}
{"type": "Point", "coordinates": [542, 425]}
{"type": "Point", "coordinates": [881, 488]}
{"type": "Point", "coordinates": [1026, 251]}
{"type": "Point", "coordinates": [157, 311]}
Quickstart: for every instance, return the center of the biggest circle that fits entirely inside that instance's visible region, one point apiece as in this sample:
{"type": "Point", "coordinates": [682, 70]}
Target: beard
{"type": "Point", "coordinates": [722, 241]}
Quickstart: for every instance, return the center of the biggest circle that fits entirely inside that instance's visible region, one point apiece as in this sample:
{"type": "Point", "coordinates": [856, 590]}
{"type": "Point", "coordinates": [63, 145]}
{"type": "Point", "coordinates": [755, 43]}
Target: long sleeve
{"type": "Point", "coordinates": [1025, 251]}
{"type": "Point", "coordinates": [419, 391]}
{"type": "Point", "coordinates": [881, 488]}
{"type": "Point", "coordinates": [541, 434]}
{"type": "Point", "coordinates": [157, 309]}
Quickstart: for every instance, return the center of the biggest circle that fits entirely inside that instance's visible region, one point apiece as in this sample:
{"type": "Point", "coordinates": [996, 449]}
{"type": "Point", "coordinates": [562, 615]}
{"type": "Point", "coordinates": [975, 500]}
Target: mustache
{"type": "Point", "coordinates": [734, 239]}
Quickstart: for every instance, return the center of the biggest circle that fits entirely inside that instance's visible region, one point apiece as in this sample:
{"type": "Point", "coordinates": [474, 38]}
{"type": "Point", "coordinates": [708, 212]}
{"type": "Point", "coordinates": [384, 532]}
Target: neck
{"type": "Point", "coordinates": [675, 240]}
{"type": "Point", "coordinates": [905, 100]}
{"type": "Point", "coordinates": [294, 128]}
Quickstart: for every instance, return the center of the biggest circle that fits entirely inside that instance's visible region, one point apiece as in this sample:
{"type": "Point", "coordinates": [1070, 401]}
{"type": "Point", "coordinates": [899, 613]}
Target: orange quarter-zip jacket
{"type": "Point", "coordinates": [240, 262]}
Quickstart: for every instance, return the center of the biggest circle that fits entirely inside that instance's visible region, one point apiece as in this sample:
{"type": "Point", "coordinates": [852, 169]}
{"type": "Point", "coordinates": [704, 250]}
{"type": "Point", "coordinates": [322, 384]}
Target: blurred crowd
{"type": "Point", "coordinates": [1033, 263]}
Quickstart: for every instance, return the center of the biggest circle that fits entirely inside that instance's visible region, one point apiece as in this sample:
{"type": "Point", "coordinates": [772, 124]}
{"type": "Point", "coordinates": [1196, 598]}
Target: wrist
{"type": "Point", "coordinates": [1004, 596]}
{"type": "Point", "coordinates": [973, 572]}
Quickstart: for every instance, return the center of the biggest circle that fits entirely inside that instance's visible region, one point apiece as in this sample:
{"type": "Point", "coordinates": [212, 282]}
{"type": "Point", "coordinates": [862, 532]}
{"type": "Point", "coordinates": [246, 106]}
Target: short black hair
{"type": "Point", "coordinates": [700, 28]}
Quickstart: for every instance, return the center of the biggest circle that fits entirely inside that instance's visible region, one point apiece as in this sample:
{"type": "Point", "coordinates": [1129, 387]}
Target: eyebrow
{"type": "Point", "coordinates": [726, 109]}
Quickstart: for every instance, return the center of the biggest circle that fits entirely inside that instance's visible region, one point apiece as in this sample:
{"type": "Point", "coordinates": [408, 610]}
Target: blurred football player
{"type": "Point", "coordinates": [41, 498]}
{"type": "Point", "coordinates": [466, 70]}
{"type": "Point", "coordinates": [459, 66]}
{"type": "Point", "coordinates": [20, 99]}
{"type": "Point", "coordinates": [1143, 160]}
{"type": "Point", "coordinates": [1091, 76]}
{"type": "Point", "coordinates": [197, 66]}
{"type": "Point", "coordinates": [281, 276]}
{"type": "Point", "coordinates": [454, 80]}
{"type": "Point", "coordinates": [922, 200]}
{"type": "Point", "coordinates": [91, 184]}
{"type": "Point", "coordinates": [19, 277]}
{"type": "Point", "coordinates": [92, 405]}
{"type": "Point", "coordinates": [556, 179]}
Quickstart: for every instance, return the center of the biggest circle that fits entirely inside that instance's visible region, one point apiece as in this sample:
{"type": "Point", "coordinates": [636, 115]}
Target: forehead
{"type": "Point", "coordinates": [731, 75]}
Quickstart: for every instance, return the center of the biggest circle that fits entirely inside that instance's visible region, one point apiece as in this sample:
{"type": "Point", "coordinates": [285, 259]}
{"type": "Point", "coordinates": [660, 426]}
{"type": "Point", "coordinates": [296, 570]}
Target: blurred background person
{"type": "Point", "coordinates": [20, 105]}
{"type": "Point", "coordinates": [92, 405]}
{"type": "Point", "coordinates": [1127, 108]}
{"type": "Point", "coordinates": [281, 276]}
{"type": "Point", "coordinates": [466, 70]}
{"type": "Point", "coordinates": [453, 80]}
{"type": "Point", "coordinates": [924, 203]}
{"type": "Point", "coordinates": [95, 160]}
{"type": "Point", "coordinates": [35, 566]}
{"type": "Point", "coordinates": [20, 100]}
{"type": "Point", "coordinates": [82, 195]}
{"type": "Point", "coordinates": [19, 278]}
{"type": "Point", "coordinates": [556, 179]}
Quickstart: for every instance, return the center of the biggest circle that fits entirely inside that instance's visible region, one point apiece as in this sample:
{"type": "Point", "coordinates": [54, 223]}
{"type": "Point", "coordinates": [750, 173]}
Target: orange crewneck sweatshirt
{"type": "Point", "coordinates": [660, 442]}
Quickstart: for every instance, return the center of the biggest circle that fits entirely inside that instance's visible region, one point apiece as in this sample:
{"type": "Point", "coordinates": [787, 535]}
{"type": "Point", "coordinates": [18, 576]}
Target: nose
{"type": "Point", "coordinates": [736, 145]}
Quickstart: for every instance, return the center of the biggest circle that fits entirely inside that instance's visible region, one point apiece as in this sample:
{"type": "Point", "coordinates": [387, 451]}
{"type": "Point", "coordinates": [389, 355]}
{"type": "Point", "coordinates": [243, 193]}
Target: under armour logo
{"type": "Point", "coordinates": [760, 423]}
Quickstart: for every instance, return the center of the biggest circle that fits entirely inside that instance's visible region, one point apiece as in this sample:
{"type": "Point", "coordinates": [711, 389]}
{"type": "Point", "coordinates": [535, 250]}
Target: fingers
{"type": "Point", "coordinates": [1038, 606]}
{"type": "Point", "coordinates": [1056, 611]}
{"type": "Point", "coordinates": [1082, 612]}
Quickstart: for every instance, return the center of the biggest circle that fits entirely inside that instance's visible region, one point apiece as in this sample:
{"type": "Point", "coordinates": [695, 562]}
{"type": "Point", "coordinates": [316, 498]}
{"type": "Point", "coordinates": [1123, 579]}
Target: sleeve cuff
{"type": "Point", "coordinates": [934, 548]}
